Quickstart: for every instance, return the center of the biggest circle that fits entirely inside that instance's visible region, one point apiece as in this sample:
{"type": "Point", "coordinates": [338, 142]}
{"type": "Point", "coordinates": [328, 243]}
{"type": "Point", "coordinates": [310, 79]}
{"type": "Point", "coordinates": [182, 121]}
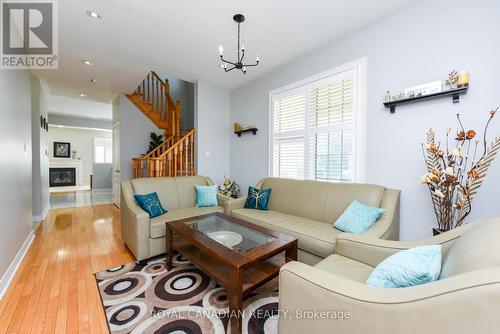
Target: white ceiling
{"type": "Point", "coordinates": [78, 107]}
{"type": "Point", "coordinates": [181, 38]}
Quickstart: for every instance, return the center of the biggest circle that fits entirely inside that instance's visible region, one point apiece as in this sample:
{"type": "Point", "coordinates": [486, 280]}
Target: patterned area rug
{"type": "Point", "coordinates": [143, 297]}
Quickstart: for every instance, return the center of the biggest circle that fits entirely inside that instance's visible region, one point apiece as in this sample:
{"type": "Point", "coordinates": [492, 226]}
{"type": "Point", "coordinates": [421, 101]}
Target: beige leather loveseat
{"type": "Point", "coordinates": [465, 299]}
{"type": "Point", "coordinates": [145, 237]}
{"type": "Point", "coordinates": [308, 209]}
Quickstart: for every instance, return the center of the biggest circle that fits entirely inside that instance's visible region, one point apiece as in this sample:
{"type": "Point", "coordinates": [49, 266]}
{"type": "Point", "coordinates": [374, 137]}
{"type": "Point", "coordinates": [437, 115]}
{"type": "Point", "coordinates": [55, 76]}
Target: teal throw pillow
{"type": "Point", "coordinates": [409, 267]}
{"type": "Point", "coordinates": [257, 198]}
{"type": "Point", "coordinates": [206, 196]}
{"type": "Point", "coordinates": [151, 204]}
{"type": "Point", "coordinates": [357, 218]}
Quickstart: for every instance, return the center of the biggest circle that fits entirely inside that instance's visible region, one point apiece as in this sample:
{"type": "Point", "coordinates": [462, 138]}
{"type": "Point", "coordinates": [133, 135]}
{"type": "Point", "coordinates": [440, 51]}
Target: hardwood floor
{"type": "Point", "coordinates": [54, 290]}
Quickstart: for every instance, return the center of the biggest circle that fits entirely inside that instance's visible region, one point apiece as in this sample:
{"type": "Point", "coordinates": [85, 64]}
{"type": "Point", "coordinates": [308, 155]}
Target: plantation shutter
{"type": "Point", "coordinates": [289, 135]}
{"type": "Point", "coordinates": [331, 129]}
{"type": "Point", "coordinates": [314, 129]}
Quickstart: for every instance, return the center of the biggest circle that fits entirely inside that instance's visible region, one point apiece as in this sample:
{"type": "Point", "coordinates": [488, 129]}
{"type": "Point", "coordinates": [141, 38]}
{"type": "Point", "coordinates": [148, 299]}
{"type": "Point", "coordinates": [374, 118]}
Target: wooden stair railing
{"type": "Point", "coordinates": [177, 160]}
{"type": "Point", "coordinates": [153, 98]}
{"type": "Point", "coordinates": [140, 164]}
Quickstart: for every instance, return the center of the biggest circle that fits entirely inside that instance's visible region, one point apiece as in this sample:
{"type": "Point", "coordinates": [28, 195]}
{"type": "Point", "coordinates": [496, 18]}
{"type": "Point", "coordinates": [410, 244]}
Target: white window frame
{"type": "Point", "coordinates": [359, 104]}
{"type": "Point", "coordinates": [105, 151]}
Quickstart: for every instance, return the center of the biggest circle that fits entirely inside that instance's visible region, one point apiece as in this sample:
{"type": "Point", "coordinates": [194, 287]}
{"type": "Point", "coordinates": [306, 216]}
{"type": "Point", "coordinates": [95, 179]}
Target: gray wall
{"type": "Point", "coordinates": [15, 164]}
{"type": "Point", "coordinates": [40, 159]}
{"type": "Point", "coordinates": [183, 91]}
{"type": "Point", "coordinates": [81, 122]}
{"type": "Point", "coordinates": [134, 134]}
{"type": "Point", "coordinates": [212, 113]}
{"type": "Point", "coordinates": [418, 45]}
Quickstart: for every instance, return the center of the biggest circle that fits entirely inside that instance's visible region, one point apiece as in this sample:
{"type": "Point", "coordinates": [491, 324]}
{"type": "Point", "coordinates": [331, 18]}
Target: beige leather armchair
{"type": "Point", "coordinates": [465, 299]}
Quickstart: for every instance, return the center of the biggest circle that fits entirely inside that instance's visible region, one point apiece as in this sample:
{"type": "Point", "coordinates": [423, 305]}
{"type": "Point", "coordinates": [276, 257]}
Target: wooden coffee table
{"type": "Point", "coordinates": [239, 267]}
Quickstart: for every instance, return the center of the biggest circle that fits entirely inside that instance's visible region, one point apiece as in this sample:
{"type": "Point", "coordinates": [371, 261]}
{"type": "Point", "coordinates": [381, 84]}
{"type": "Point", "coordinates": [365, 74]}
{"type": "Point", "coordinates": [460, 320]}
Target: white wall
{"type": "Point", "coordinates": [15, 164]}
{"type": "Point", "coordinates": [82, 141]}
{"type": "Point", "coordinates": [40, 159]}
{"type": "Point", "coordinates": [213, 128]}
{"type": "Point", "coordinates": [418, 45]}
{"type": "Point", "coordinates": [135, 129]}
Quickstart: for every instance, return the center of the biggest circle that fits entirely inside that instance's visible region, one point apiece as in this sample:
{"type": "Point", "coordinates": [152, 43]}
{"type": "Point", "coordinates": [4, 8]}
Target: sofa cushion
{"type": "Point", "coordinates": [314, 236]}
{"type": "Point", "coordinates": [409, 267]}
{"type": "Point", "coordinates": [320, 201]}
{"type": "Point", "coordinates": [157, 224]}
{"type": "Point", "coordinates": [357, 218]}
{"type": "Point", "coordinates": [476, 249]}
{"type": "Point", "coordinates": [174, 192]}
{"type": "Point", "coordinates": [257, 198]}
{"type": "Point", "coordinates": [205, 196]}
{"type": "Point", "coordinates": [185, 187]}
{"type": "Point", "coordinates": [151, 204]}
{"type": "Point", "coordinates": [301, 198]}
{"type": "Point", "coordinates": [165, 187]}
{"type": "Point", "coordinates": [346, 268]}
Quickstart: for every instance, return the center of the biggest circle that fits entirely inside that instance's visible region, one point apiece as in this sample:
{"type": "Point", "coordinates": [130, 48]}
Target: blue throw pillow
{"type": "Point", "coordinates": [257, 199]}
{"type": "Point", "coordinates": [357, 218]}
{"type": "Point", "coordinates": [151, 204]}
{"type": "Point", "coordinates": [206, 196]}
{"type": "Point", "coordinates": [409, 267]}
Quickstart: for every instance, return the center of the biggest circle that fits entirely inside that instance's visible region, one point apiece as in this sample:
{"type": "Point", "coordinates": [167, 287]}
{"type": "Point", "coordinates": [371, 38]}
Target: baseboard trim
{"type": "Point", "coordinates": [41, 217]}
{"type": "Point", "coordinates": [11, 271]}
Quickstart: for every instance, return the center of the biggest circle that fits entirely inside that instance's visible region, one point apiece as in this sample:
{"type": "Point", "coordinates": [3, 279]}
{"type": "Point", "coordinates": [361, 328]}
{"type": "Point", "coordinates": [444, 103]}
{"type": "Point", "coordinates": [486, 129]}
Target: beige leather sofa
{"type": "Point", "coordinates": [308, 209]}
{"type": "Point", "coordinates": [465, 299]}
{"type": "Point", "coordinates": [145, 237]}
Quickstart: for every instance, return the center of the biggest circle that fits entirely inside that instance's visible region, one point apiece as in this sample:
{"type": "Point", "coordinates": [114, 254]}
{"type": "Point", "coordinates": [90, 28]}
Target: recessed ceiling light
{"type": "Point", "coordinates": [60, 126]}
{"type": "Point", "coordinates": [94, 14]}
{"type": "Point", "coordinates": [83, 95]}
{"type": "Point", "coordinates": [87, 62]}
{"type": "Point", "coordinates": [92, 80]}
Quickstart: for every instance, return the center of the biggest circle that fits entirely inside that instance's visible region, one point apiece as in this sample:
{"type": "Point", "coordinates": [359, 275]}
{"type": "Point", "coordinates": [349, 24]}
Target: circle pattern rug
{"type": "Point", "coordinates": [144, 297]}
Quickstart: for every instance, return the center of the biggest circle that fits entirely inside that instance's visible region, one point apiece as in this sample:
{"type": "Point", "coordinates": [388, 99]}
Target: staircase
{"type": "Point", "coordinates": [175, 156]}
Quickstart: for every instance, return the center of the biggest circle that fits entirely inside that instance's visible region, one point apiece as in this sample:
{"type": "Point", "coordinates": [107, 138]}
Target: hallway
{"type": "Point", "coordinates": [59, 200]}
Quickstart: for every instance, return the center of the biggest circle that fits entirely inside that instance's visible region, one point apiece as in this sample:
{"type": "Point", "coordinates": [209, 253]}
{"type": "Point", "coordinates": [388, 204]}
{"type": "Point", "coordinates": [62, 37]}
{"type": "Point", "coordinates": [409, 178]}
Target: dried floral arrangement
{"type": "Point", "coordinates": [452, 80]}
{"type": "Point", "coordinates": [455, 173]}
{"type": "Point", "coordinates": [229, 188]}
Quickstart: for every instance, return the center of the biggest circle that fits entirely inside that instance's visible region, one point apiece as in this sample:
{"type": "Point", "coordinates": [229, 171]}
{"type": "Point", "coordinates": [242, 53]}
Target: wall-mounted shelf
{"type": "Point", "coordinates": [252, 130]}
{"type": "Point", "coordinates": [455, 94]}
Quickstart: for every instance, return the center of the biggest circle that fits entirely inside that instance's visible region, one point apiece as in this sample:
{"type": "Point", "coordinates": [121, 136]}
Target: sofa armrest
{"type": "Point", "coordinates": [387, 226]}
{"type": "Point", "coordinates": [373, 251]}
{"type": "Point", "coordinates": [135, 227]}
{"type": "Point", "coordinates": [221, 201]}
{"type": "Point", "coordinates": [238, 203]}
{"type": "Point", "coordinates": [437, 307]}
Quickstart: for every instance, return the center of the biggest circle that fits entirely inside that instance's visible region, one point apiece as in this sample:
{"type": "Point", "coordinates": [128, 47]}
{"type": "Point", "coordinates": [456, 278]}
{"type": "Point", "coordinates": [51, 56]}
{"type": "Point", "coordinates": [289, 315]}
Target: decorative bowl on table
{"type": "Point", "coordinates": [227, 238]}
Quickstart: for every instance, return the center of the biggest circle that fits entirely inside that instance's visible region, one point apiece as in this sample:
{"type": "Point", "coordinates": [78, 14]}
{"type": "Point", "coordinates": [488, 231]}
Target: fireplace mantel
{"type": "Point", "coordinates": [61, 163]}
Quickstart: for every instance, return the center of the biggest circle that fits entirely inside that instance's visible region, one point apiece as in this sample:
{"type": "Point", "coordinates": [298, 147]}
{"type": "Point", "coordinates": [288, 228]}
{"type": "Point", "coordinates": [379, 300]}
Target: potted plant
{"type": "Point", "coordinates": [156, 140]}
{"type": "Point", "coordinates": [456, 171]}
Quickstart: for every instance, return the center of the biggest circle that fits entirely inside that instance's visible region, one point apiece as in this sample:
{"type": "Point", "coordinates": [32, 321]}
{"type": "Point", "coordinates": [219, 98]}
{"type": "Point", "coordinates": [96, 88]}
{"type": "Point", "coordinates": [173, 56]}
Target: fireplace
{"type": "Point", "coordinates": [59, 177]}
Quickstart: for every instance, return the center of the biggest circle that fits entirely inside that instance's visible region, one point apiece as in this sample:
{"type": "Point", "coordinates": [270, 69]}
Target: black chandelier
{"type": "Point", "coordinates": [238, 18]}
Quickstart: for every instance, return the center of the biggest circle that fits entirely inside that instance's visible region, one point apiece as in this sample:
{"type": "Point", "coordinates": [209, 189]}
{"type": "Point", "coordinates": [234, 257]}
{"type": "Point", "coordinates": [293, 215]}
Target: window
{"type": "Point", "coordinates": [103, 150]}
{"type": "Point", "coordinates": [317, 127]}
